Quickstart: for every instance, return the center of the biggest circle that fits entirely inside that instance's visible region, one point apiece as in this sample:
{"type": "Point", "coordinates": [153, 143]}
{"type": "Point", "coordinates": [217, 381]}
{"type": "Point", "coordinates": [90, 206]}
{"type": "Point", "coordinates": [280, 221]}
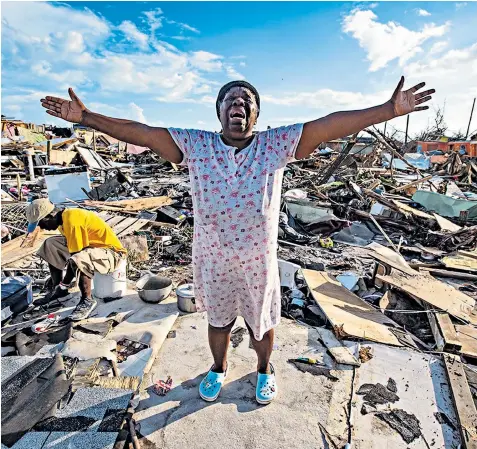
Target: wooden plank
{"type": "Point", "coordinates": [434, 292]}
{"type": "Point", "coordinates": [464, 404]}
{"type": "Point", "coordinates": [115, 220]}
{"type": "Point", "coordinates": [136, 226]}
{"type": "Point", "coordinates": [118, 228]}
{"type": "Point", "coordinates": [390, 258]}
{"type": "Point", "coordinates": [461, 261]}
{"type": "Point", "coordinates": [338, 351]}
{"type": "Point", "coordinates": [451, 340]}
{"type": "Point", "coordinates": [17, 248]}
{"type": "Point", "coordinates": [347, 311]}
{"type": "Point", "coordinates": [467, 335]}
{"type": "Point", "coordinates": [404, 208]}
{"type": "Point", "coordinates": [136, 205]}
{"type": "Point", "coordinates": [436, 332]}
{"type": "Point", "coordinates": [445, 224]}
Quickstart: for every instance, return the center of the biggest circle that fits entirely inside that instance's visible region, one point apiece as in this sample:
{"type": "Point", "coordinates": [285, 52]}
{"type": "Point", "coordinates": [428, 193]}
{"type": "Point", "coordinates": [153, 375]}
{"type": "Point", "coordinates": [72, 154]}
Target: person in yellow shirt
{"type": "Point", "coordinates": [87, 245]}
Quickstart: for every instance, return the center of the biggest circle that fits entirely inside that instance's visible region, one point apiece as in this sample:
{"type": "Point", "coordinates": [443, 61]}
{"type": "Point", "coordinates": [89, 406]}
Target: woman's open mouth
{"type": "Point", "coordinates": [237, 115]}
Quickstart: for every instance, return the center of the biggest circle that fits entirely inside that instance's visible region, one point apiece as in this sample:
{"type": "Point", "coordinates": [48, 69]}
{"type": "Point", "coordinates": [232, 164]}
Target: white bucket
{"type": "Point", "coordinates": [112, 285]}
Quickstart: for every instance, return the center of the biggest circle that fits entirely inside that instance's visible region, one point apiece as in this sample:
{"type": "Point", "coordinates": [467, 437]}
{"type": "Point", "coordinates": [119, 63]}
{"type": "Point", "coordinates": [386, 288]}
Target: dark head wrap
{"type": "Point", "coordinates": [231, 85]}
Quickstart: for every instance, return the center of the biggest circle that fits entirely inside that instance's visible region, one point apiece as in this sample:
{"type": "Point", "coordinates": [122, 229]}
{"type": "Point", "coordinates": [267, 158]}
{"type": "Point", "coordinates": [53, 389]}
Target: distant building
{"type": "Point", "coordinates": [464, 147]}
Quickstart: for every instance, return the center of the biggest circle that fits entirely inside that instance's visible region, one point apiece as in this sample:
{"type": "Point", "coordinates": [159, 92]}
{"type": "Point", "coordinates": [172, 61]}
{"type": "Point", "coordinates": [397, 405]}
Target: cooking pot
{"type": "Point", "coordinates": [186, 298]}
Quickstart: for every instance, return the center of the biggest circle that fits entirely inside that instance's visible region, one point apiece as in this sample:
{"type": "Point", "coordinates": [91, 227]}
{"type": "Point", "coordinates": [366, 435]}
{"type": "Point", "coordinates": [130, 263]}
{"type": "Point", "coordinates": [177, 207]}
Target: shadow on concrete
{"type": "Point", "coordinates": [240, 392]}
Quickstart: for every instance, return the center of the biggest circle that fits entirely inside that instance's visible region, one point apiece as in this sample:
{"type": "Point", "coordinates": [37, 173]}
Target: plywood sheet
{"type": "Point", "coordinates": [434, 292]}
{"type": "Point", "coordinates": [346, 310]}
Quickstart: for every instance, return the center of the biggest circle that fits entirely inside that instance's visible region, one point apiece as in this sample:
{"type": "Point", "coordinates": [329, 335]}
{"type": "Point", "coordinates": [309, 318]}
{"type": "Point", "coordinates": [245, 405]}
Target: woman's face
{"type": "Point", "coordinates": [238, 113]}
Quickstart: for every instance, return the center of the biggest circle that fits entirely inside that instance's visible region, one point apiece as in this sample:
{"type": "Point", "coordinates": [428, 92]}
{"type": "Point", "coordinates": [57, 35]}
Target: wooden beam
{"type": "Point", "coordinates": [451, 340]}
{"type": "Point", "coordinates": [463, 401]}
{"type": "Point", "coordinates": [337, 349]}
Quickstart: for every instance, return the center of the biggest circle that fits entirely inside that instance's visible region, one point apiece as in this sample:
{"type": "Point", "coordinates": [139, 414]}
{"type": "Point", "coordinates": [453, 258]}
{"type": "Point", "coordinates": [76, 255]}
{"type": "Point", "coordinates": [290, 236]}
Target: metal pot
{"type": "Point", "coordinates": [154, 288]}
{"type": "Point", "coordinates": [186, 298]}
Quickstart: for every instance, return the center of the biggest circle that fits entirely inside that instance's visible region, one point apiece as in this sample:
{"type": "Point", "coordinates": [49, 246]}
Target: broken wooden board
{"type": "Point", "coordinates": [445, 224]}
{"type": "Point", "coordinates": [467, 335]}
{"type": "Point", "coordinates": [462, 261]}
{"type": "Point", "coordinates": [123, 226]}
{"type": "Point", "coordinates": [406, 210]}
{"type": "Point", "coordinates": [338, 350]}
{"type": "Point", "coordinates": [344, 309]}
{"type": "Point", "coordinates": [18, 248]}
{"type": "Point", "coordinates": [443, 330]}
{"type": "Point", "coordinates": [61, 157]}
{"type": "Point", "coordinates": [464, 404]}
{"type": "Point", "coordinates": [93, 159]}
{"type": "Point", "coordinates": [390, 258]}
{"type": "Point", "coordinates": [434, 292]}
{"type": "Point", "coordinates": [136, 205]}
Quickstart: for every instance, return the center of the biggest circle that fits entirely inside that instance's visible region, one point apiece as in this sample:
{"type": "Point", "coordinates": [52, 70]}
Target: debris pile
{"type": "Point", "coordinates": [375, 244]}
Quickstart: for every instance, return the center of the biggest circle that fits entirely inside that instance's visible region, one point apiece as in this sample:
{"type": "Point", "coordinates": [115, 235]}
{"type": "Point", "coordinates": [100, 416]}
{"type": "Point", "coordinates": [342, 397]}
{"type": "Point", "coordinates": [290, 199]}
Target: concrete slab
{"type": "Point", "coordinates": [12, 364]}
{"type": "Point", "coordinates": [81, 440]}
{"type": "Point", "coordinates": [181, 419]}
{"type": "Point", "coordinates": [149, 324]}
{"type": "Point", "coordinates": [423, 390]}
{"type": "Point", "coordinates": [31, 440]}
{"type": "Point", "coordinates": [93, 402]}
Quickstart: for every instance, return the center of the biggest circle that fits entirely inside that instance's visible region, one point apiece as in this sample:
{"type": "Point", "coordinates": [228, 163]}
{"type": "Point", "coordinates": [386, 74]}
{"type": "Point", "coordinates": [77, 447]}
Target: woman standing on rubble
{"type": "Point", "coordinates": [236, 179]}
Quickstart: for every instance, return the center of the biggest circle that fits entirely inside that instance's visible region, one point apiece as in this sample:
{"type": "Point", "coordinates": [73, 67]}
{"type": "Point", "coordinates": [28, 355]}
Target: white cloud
{"type": "Point", "coordinates": [154, 19]}
{"type": "Point", "coordinates": [188, 28]}
{"type": "Point", "coordinates": [204, 60]}
{"type": "Point", "coordinates": [75, 42]}
{"type": "Point", "coordinates": [132, 33]}
{"type": "Point", "coordinates": [438, 47]}
{"type": "Point", "coordinates": [460, 5]}
{"type": "Point", "coordinates": [242, 64]}
{"type": "Point", "coordinates": [232, 73]}
{"type": "Point", "coordinates": [327, 99]}
{"type": "Point", "coordinates": [137, 113]}
{"type": "Point", "coordinates": [422, 12]}
{"type": "Point", "coordinates": [384, 42]}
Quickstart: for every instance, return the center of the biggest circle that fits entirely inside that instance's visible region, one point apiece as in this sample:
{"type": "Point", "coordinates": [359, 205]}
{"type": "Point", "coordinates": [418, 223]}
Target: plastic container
{"type": "Point", "coordinates": [112, 285]}
{"type": "Point", "coordinates": [186, 298]}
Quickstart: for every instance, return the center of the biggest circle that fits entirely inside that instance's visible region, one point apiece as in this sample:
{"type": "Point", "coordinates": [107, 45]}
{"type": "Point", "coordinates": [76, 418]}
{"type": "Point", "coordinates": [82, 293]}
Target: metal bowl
{"type": "Point", "coordinates": [153, 288]}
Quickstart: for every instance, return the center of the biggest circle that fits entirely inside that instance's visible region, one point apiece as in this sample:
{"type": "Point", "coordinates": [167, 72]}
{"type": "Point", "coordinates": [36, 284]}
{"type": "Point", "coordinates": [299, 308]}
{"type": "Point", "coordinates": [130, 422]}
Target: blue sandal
{"type": "Point", "coordinates": [266, 387]}
{"type": "Point", "coordinates": [211, 385]}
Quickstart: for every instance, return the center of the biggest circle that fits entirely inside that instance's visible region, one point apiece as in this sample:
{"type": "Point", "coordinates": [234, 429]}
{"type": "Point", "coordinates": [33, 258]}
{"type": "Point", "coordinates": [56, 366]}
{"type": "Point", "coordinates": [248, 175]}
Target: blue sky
{"type": "Point", "coordinates": [163, 62]}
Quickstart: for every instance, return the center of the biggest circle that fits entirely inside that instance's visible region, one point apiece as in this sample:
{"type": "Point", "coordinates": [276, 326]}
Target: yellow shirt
{"type": "Point", "coordinates": [83, 228]}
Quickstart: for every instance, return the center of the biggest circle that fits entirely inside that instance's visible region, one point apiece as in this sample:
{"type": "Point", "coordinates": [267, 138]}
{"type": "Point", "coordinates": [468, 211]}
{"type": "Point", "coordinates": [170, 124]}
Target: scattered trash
{"type": "Point", "coordinates": [162, 387]}
{"type": "Point", "coordinates": [406, 424]}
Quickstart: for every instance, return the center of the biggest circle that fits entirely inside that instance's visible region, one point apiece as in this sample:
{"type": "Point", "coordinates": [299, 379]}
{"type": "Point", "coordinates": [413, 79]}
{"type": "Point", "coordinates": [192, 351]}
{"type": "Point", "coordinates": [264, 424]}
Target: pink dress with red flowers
{"type": "Point", "coordinates": [236, 198]}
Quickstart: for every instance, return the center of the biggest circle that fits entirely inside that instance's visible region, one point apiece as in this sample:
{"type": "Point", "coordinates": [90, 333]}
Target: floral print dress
{"type": "Point", "coordinates": [236, 198]}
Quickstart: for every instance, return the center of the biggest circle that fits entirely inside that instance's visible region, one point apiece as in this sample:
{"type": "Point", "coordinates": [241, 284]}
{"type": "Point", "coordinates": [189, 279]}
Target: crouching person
{"type": "Point", "coordinates": [87, 245]}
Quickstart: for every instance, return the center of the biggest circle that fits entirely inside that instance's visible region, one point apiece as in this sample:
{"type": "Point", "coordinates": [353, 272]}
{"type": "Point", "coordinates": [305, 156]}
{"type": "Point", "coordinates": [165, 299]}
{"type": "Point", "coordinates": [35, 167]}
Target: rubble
{"type": "Point", "coordinates": [376, 244]}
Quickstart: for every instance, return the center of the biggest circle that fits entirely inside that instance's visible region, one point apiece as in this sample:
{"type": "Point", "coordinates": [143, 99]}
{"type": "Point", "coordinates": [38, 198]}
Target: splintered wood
{"type": "Point", "coordinates": [343, 308]}
{"type": "Point", "coordinates": [434, 292]}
